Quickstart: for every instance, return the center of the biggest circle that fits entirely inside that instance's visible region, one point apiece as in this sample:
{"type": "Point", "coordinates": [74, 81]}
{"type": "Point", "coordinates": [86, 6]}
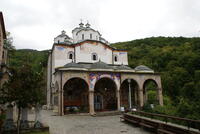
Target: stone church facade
{"type": "Point", "coordinates": [87, 75]}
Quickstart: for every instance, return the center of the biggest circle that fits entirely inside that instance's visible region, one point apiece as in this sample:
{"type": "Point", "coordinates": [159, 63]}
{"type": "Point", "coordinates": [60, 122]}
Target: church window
{"type": "Point", "coordinates": [115, 58]}
{"type": "Point", "coordinates": [90, 36]}
{"type": "Point", "coordinates": [70, 55]}
{"type": "Point", "coordinates": [94, 56]}
{"type": "Point", "coordinates": [82, 36]}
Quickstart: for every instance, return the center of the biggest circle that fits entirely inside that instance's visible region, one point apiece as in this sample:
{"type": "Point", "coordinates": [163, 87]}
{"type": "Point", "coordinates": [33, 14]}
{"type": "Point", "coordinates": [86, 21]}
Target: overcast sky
{"type": "Point", "coordinates": [34, 23]}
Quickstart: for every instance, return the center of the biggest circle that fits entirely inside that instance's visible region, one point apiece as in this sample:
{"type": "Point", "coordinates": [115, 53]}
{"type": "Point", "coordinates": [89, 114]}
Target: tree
{"type": "Point", "coordinates": [23, 88]}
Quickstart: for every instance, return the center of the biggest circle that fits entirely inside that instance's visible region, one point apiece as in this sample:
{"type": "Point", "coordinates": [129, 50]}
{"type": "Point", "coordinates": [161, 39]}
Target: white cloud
{"type": "Point", "coordinates": [34, 23]}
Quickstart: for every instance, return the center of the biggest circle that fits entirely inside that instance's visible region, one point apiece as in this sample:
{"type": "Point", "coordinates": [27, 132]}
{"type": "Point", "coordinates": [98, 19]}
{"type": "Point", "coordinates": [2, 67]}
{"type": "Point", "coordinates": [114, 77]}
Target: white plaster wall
{"type": "Point", "coordinates": [84, 53]}
{"type": "Point", "coordinates": [59, 39]}
{"type": "Point", "coordinates": [122, 58]}
{"type": "Point", "coordinates": [61, 55]}
{"type": "Point", "coordinates": [78, 37]}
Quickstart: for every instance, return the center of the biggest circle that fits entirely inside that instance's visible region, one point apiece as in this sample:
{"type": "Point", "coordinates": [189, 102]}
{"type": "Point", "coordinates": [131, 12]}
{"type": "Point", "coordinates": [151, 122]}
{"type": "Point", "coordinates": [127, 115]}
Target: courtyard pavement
{"type": "Point", "coordinates": [85, 124]}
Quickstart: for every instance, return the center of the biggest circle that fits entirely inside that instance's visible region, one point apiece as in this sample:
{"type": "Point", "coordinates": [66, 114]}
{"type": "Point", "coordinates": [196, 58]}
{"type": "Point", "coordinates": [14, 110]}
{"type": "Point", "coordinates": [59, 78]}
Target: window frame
{"type": "Point", "coordinates": [96, 56]}
{"type": "Point", "coordinates": [116, 59]}
{"type": "Point", "coordinates": [69, 55]}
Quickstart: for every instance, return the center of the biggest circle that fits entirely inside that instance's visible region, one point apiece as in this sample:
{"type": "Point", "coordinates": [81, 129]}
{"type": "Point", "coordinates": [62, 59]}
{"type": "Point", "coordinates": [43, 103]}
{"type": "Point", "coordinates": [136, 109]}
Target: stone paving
{"type": "Point", "coordinates": [85, 124]}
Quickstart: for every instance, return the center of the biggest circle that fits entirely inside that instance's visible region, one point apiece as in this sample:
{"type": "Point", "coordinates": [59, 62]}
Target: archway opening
{"type": "Point", "coordinates": [129, 94]}
{"type": "Point", "coordinates": [105, 95]}
{"type": "Point", "coordinates": [76, 96]}
{"type": "Point", "coordinates": [150, 92]}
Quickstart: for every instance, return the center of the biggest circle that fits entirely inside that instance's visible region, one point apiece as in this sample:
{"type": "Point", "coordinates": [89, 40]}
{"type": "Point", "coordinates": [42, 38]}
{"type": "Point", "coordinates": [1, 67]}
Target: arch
{"type": "Point", "coordinates": [150, 91]}
{"type": "Point", "coordinates": [94, 56]}
{"type": "Point", "coordinates": [105, 95]}
{"type": "Point", "coordinates": [76, 96]}
{"type": "Point", "coordinates": [124, 93]}
{"type": "Point", "coordinates": [70, 55]}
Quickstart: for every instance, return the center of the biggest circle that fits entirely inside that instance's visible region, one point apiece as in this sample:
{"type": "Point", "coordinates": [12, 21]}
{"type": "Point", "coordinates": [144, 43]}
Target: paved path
{"type": "Point", "coordinates": [79, 124]}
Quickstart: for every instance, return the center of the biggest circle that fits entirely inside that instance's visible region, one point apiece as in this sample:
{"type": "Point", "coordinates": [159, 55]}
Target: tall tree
{"type": "Point", "coordinates": [23, 88]}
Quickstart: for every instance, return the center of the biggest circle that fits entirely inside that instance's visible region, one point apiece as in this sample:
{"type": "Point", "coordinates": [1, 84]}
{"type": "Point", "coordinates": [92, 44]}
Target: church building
{"type": "Point", "coordinates": [87, 75]}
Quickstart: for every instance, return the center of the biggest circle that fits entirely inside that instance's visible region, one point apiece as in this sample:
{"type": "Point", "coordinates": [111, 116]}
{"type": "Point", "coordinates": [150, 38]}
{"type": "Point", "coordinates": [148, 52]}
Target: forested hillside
{"type": "Point", "coordinates": [37, 59]}
{"type": "Point", "coordinates": [178, 61]}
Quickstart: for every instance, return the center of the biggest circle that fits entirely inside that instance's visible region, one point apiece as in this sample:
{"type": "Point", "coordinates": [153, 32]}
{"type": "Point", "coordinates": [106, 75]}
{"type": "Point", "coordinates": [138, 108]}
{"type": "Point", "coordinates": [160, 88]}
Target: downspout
{"type": "Point", "coordinates": [112, 58]}
{"type": "Point", "coordinates": [74, 55]}
{"type": "Point", "coordinates": [61, 94]}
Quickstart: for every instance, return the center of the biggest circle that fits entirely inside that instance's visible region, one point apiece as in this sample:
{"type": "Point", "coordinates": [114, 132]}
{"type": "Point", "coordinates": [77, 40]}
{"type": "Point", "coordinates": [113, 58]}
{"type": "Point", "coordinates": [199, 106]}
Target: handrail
{"type": "Point", "coordinates": [188, 121]}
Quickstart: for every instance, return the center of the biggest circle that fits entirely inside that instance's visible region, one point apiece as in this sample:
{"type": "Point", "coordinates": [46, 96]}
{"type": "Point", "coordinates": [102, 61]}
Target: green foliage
{"type": "Point", "coordinates": [23, 87]}
{"type": "Point", "coordinates": [152, 97]}
{"type": "Point", "coordinates": [178, 61]}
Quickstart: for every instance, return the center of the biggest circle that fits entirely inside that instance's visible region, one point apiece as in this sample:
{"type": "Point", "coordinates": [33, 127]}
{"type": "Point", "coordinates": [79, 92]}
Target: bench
{"type": "Point", "coordinates": [164, 131]}
{"type": "Point", "coordinates": [146, 125]}
{"type": "Point", "coordinates": [129, 120]}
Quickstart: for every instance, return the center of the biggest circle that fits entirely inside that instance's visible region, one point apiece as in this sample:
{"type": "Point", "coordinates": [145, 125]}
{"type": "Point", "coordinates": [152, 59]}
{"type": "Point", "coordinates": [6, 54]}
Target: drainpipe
{"type": "Point", "coordinates": [61, 94]}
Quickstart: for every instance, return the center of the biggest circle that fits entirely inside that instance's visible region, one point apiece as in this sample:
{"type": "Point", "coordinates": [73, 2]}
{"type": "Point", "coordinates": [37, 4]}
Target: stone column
{"type": "Point", "coordinates": [9, 124]}
{"type": "Point", "coordinates": [141, 98]}
{"type": "Point", "coordinates": [91, 102]}
{"type": "Point", "coordinates": [9, 113]}
{"type": "Point", "coordinates": [160, 96]}
{"type": "Point", "coordinates": [38, 123]}
{"type": "Point", "coordinates": [24, 119]}
{"type": "Point", "coordinates": [118, 100]}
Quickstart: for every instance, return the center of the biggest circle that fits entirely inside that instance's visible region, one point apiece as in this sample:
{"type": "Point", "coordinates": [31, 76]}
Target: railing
{"type": "Point", "coordinates": [189, 123]}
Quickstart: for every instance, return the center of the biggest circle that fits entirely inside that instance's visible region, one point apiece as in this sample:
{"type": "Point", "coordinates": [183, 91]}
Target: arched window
{"type": "Point", "coordinates": [90, 36]}
{"type": "Point", "coordinates": [94, 56]}
{"type": "Point", "coordinates": [115, 58]}
{"type": "Point", "coordinates": [70, 55]}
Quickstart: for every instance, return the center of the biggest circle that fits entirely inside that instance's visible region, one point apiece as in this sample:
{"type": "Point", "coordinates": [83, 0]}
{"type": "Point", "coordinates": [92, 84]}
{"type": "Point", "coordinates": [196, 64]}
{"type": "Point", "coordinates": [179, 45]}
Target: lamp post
{"type": "Point", "coordinates": [129, 87]}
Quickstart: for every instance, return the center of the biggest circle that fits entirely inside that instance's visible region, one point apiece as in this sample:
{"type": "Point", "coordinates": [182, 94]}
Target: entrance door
{"type": "Point", "coordinates": [98, 102]}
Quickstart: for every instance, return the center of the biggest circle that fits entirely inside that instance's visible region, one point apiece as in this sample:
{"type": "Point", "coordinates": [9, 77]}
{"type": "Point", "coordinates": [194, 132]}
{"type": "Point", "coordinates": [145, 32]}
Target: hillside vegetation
{"type": "Point", "coordinates": [178, 61]}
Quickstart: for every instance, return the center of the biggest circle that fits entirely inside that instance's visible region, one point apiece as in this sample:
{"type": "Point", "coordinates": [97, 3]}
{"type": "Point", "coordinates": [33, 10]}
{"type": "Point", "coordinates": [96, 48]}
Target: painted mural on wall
{"type": "Point", "coordinates": [94, 77]}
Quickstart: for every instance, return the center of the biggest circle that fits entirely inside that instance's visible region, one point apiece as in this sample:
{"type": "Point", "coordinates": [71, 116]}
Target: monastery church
{"type": "Point", "coordinates": [87, 75]}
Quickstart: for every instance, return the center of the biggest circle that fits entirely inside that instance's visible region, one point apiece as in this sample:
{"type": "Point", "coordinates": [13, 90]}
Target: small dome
{"type": "Point", "coordinates": [63, 35]}
{"type": "Point", "coordinates": [73, 65]}
{"type": "Point", "coordinates": [143, 68]}
{"type": "Point", "coordinates": [100, 65]}
{"type": "Point", "coordinates": [81, 24]}
{"type": "Point", "coordinates": [123, 67]}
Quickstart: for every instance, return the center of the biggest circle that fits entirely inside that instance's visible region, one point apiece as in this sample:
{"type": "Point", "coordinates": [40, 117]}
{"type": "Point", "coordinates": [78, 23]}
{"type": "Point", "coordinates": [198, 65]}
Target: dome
{"type": "Point", "coordinates": [73, 65]}
{"type": "Point", "coordinates": [123, 67]}
{"type": "Point", "coordinates": [100, 65]}
{"type": "Point", "coordinates": [63, 35]}
{"type": "Point", "coordinates": [143, 68]}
